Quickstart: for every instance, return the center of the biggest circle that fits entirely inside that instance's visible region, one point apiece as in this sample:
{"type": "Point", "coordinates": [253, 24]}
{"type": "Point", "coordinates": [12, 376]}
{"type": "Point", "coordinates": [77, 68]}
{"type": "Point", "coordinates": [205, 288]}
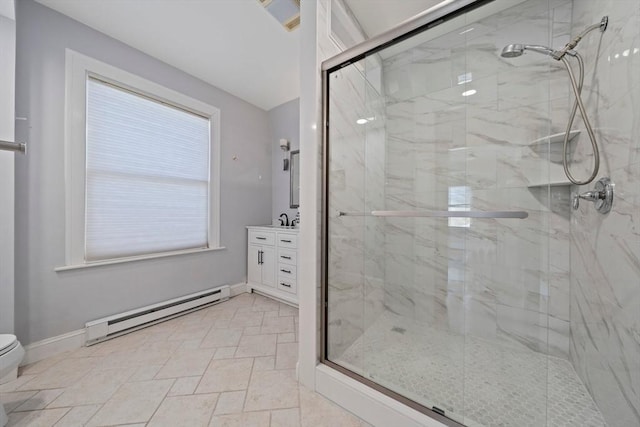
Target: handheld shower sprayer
{"type": "Point", "coordinates": [515, 50]}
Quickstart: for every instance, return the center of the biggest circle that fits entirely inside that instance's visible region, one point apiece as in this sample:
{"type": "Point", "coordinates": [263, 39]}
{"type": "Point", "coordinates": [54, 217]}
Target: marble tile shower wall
{"type": "Point", "coordinates": [605, 250]}
{"type": "Point", "coordinates": [356, 178]}
{"type": "Point", "coordinates": [505, 280]}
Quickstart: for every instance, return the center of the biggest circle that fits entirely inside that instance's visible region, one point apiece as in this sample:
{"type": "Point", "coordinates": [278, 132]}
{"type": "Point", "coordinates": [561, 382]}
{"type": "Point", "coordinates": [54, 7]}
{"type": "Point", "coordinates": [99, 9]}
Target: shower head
{"type": "Point", "coordinates": [513, 50]}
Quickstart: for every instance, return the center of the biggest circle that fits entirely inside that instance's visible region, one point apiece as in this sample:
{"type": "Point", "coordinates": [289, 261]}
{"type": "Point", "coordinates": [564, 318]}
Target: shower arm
{"type": "Point", "coordinates": [602, 25]}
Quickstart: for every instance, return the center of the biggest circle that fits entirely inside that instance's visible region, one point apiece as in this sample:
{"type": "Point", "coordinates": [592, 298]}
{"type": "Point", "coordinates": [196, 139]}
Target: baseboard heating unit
{"type": "Point", "coordinates": [119, 324]}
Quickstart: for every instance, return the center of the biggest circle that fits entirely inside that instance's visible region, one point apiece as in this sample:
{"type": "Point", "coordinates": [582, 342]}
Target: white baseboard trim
{"type": "Point", "coordinates": [372, 406]}
{"type": "Point", "coordinates": [237, 289]}
{"type": "Point", "coordinates": [53, 346]}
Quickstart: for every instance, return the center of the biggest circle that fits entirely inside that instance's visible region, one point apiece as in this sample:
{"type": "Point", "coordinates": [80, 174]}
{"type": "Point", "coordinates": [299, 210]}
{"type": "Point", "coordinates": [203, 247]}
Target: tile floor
{"type": "Point", "coordinates": [232, 364]}
{"type": "Point", "coordinates": [476, 381]}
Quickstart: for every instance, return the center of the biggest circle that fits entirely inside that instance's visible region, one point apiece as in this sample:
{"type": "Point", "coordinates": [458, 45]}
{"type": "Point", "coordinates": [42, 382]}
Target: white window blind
{"type": "Point", "coordinates": [147, 175]}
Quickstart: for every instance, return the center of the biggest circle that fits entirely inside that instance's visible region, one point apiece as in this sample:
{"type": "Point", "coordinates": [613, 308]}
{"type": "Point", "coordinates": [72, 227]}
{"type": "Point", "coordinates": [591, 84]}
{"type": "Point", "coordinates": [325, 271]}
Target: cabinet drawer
{"type": "Point", "coordinates": [286, 256]}
{"type": "Point", "coordinates": [286, 271]}
{"type": "Point", "coordinates": [261, 237]}
{"type": "Point", "coordinates": [287, 240]}
{"type": "Point", "coordinates": [287, 286]}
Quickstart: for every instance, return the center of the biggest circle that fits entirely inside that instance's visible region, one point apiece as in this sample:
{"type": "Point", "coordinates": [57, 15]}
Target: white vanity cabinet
{"type": "Point", "coordinates": [272, 257]}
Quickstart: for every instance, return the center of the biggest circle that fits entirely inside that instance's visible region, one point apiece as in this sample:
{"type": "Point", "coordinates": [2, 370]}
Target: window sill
{"type": "Point", "coordinates": [135, 258]}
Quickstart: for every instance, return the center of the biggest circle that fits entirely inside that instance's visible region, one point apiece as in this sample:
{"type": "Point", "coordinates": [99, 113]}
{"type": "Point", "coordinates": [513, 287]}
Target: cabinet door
{"type": "Point", "coordinates": [268, 266]}
{"type": "Point", "coordinates": [254, 268]}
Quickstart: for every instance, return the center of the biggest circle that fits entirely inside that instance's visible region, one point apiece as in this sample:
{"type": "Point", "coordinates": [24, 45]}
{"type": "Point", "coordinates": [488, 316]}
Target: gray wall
{"type": "Point", "coordinates": [50, 303]}
{"type": "Point", "coordinates": [285, 123]}
{"type": "Point", "coordinates": [7, 87]}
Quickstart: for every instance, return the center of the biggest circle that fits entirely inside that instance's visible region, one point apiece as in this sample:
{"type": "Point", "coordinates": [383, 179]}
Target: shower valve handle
{"type": "Point", "coordinates": [602, 196]}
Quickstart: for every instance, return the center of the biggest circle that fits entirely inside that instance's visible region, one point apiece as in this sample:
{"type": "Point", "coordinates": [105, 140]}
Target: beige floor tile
{"type": "Point", "coordinates": [145, 373]}
{"type": "Point", "coordinates": [272, 390]}
{"type": "Point", "coordinates": [194, 317]}
{"type": "Point", "coordinates": [274, 313]}
{"type": "Point", "coordinates": [184, 385]}
{"type": "Point", "coordinates": [266, 363]}
{"type": "Point", "coordinates": [252, 330]}
{"type": "Point", "coordinates": [152, 353]}
{"type": "Point", "coordinates": [316, 411]}
{"type": "Point", "coordinates": [190, 332]}
{"type": "Point", "coordinates": [286, 337]}
{"type": "Point", "coordinates": [123, 343]}
{"type": "Point", "coordinates": [221, 338]}
{"type": "Point", "coordinates": [220, 312]}
{"type": "Point", "coordinates": [249, 371]}
{"type": "Point", "coordinates": [230, 402]}
{"type": "Point", "coordinates": [41, 366]}
{"type": "Point", "coordinates": [265, 304]}
{"type": "Point", "coordinates": [252, 318]}
{"type": "Point", "coordinates": [45, 418]}
{"type": "Point", "coordinates": [192, 411]}
{"type": "Point", "coordinates": [256, 346]}
{"type": "Point", "coordinates": [186, 363]}
{"type": "Point", "coordinates": [65, 374]}
{"type": "Point", "coordinates": [251, 419]}
{"type": "Point", "coordinates": [242, 300]}
{"type": "Point", "coordinates": [132, 403]}
{"type": "Point", "coordinates": [285, 418]}
{"type": "Point", "coordinates": [78, 416]}
{"type": "Point", "coordinates": [13, 399]}
{"type": "Point", "coordinates": [277, 325]}
{"type": "Point", "coordinates": [287, 356]}
{"type": "Point", "coordinates": [17, 383]}
{"type": "Point", "coordinates": [225, 353]}
{"type": "Point", "coordinates": [84, 352]}
{"type": "Point", "coordinates": [97, 387]}
{"type": "Point", "coordinates": [190, 344]}
{"type": "Point", "coordinates": [40, 400]}
{"type": "Point", "coordinates": [222, 324]}
{"type": "Point", "coordinates": [287, 310]}
{"type": "Point", "coordinates": [226, 375]}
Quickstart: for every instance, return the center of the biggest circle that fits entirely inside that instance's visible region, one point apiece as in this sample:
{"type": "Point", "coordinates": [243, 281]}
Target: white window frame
{"type": "Point", "coordinates": [78, 68]}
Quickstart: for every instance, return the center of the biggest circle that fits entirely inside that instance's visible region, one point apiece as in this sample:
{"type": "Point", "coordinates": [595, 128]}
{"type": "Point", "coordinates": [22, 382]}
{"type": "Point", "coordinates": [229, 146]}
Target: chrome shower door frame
{"type": "Point", "coordinates": [422, 22]}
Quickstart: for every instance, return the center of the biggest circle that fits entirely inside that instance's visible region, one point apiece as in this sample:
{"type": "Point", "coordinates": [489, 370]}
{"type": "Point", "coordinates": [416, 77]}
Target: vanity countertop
{"type": "Point", "coordinates": [294, 229]}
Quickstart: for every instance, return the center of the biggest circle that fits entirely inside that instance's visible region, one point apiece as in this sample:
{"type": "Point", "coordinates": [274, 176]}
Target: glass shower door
{"type": "Point", "coordinates": [439, 216]}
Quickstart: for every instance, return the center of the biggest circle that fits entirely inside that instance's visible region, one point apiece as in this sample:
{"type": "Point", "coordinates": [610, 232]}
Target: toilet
{"type": "Point", "coordinates": [11, 354]}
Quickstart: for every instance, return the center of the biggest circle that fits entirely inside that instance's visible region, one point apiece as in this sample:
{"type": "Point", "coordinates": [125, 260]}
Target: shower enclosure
{"type": "Point", "coordinates": [457, 279]}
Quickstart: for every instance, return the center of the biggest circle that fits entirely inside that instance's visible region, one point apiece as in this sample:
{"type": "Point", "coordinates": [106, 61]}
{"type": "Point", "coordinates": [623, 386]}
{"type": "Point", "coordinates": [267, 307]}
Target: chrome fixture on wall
{"type": "Point", "coordinates": [20, 147]}
{"type": "Point", "coordinates": [514, 50]}
{"type": "Point", "coordinates": [601, 196]}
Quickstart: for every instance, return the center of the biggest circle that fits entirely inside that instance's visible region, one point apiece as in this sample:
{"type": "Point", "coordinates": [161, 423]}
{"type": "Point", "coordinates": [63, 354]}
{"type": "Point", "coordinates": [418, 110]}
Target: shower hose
{"type": "Point", "coordinates": [578, 104]}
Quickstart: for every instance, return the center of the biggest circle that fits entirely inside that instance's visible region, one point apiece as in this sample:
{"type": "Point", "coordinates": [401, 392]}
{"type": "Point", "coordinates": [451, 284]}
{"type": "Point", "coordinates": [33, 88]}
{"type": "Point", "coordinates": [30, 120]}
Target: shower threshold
{"type": "Point", "coordinates": [475, 381]}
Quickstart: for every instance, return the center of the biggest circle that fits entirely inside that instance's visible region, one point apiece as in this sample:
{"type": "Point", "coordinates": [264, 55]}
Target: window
{"type": "Point", "coordinates": [142, 167]}
{"type": "Point", "coordinates": [459, 201]}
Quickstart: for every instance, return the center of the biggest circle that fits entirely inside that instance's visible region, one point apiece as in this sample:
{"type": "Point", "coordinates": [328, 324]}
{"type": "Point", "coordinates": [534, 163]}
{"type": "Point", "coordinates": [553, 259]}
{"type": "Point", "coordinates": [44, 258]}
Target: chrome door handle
{"type": "Point", "coordinates": [442, 214]}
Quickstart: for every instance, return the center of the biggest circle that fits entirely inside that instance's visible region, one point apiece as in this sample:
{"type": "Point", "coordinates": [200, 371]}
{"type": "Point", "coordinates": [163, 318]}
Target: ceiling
{"type": "Point", "coordinates": [234, 45]}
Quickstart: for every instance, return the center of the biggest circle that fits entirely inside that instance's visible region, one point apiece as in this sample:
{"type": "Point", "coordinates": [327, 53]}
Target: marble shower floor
{"type": "Point", "coordinates": [232, 364]}
{"type": "Point", "coordinates": [487, 384]}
